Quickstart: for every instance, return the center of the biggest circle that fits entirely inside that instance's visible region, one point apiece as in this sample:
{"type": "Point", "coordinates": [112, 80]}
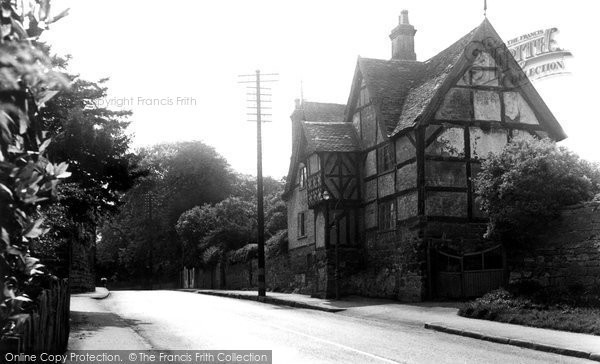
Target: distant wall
{"type": "Point", "coordinates": [567, 255]}
{"type": "Point", "coordinates": [394, 264]}
{"type": "Point", "coordinates": [286, 272]}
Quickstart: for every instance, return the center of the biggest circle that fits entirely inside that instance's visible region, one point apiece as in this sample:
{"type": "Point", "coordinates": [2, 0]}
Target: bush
{"type": "Point", "coordinates": [244, 254]}
{"type": "Point", "coordinates": [574, 295]}
{"type": "Point", "coordinates": [523, 188]}
{"type": "Point", "coordinates": [277, 244]}
{"type": "Point", "coordinates": [211, 256]}
{"type": "Point", "coordinates": [502, 306]}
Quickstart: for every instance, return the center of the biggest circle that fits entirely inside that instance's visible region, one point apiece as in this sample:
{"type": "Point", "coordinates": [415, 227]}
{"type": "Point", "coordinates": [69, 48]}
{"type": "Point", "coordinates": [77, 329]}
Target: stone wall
{"type": "Point", "coordinates": [291, 271]}
{"type": "Point", "coordinates": [393, 266]}
{"type": "Point", "coordinates": [568, 255]}
{"type": "Point", "coordinates": [297, 203]}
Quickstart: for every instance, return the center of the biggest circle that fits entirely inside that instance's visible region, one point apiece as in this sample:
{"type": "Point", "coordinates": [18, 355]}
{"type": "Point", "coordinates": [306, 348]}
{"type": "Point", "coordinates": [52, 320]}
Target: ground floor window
{"type": "Point", "coordinates": [301, 225]}
{"type": "Point", "coordinates": [387, 215]}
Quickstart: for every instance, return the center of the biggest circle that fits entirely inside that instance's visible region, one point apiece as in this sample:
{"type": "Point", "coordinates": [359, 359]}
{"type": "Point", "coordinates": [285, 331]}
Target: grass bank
{"type": "Point", "coordinates": [558, 312]}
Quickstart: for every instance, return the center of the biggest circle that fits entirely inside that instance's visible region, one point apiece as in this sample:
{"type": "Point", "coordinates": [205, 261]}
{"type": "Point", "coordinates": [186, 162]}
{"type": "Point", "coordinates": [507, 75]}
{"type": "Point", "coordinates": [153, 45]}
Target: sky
{"type": "Point", "coordinates": [175, 64]}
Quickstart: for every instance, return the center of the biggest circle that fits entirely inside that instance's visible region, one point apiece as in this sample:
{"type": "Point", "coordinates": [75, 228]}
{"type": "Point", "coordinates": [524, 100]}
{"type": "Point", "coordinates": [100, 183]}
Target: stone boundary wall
{"type": "Point", "coordinates": [287, 272]}
{"type": "Point", "coordinates": [391, 267]}
{"type": "Point", "coordinates": [568, 255]}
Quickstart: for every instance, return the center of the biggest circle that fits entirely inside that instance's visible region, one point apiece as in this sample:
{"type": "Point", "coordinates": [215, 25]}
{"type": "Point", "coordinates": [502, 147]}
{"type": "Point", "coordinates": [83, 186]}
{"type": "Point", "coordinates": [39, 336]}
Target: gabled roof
{"type": "Point", "coordinates": [406, 93]}
{"type": "Point", "coordinates": [313, 132]}
{"type": "Point", "coordinates": [330, 137]}
{"type": "Point", "coordinates": [321, 111]}
{"type": "Point", "coordinates": [388, 82]}
{"type": "Point", "coordinates": [433, 75]}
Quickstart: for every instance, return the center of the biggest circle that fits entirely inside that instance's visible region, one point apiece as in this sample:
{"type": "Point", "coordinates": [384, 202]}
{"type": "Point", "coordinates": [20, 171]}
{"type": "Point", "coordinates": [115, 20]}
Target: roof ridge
{"type": "Point", "coordinates": [390, 60]}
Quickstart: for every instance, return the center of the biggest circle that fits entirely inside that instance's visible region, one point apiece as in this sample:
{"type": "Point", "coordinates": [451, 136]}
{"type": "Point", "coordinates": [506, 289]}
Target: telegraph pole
{"type": "Point", "coordinates": [150, 201]}
{"type": "Point", "coordinates": [258, 115]}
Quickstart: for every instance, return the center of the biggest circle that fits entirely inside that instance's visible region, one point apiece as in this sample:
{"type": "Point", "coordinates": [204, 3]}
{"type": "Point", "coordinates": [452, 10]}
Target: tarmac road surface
{"type": "Point", "coordinates": [172, 320]}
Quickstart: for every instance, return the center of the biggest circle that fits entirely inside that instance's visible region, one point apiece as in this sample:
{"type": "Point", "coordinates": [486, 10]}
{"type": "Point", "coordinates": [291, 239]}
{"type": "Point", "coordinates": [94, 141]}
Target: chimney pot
{"type": "Point", "coordinates": [404, 17]}
{"type": "Point", "coordinates": [297, 101]}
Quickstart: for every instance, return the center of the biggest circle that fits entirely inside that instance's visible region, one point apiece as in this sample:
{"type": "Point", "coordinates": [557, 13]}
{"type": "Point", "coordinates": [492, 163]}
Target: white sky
{"type": "Point", "coordinates": [188, 48]}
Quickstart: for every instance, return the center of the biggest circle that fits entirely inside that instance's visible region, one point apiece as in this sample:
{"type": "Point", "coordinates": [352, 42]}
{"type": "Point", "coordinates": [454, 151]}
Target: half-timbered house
{"type": "Point", "coordinates": [380, 191]}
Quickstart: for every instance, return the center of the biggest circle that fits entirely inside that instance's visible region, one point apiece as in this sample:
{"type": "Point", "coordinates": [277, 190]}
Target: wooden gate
{"type": "Point", "coordinates": [468, 275]}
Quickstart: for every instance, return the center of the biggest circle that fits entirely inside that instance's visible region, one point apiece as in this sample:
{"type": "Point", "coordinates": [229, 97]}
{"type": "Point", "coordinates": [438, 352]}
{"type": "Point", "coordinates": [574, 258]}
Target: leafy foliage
{"type": "Point", "coordinates": [504, 306]}
{"type": "Point", "coordinates": [523, 188]}
{"type": "Point", "coordinates": [277, 244]}
{"type": "Point", "coordinates": [231, 224]}
{"type": "Point", "coordinates": [27, 178]}
{"type": "Point", "coordinates": [93, 140]}
{"type": "Point", "coordinates": [180, 176]}
{"type": "Point", "coordinates": [243, 254]}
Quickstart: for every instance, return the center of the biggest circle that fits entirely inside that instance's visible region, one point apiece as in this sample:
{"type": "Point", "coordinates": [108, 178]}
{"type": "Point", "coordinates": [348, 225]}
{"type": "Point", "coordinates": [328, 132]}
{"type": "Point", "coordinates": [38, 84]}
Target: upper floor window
{"type": "Point", "coordinates": [385, 156]}
{"type": "Point", "coordinates": [363, 97]}
{"type": "Point", "coordinates": [302, 176]}
{"type": "Point", "coordinates": [356, 121]}
{"type": "Point", "coordinates": [301, 225]}
{"type": "Point", "coordinates": [315, 163]}
{"type": "Point", "coordinates": [387, 215]}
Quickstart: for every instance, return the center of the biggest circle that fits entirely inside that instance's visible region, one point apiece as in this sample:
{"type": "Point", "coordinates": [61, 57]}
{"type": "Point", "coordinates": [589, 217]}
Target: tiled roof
{"type": "Point", "coordinates": [320, 111]}
{"type": "Point", "coordinates": [403, 89]}
{"type": "Point", "coordinates": [405, 93]}
{"type": "Point", "coordinates": [317, 113]}
{"type": "Point", "coordinates": [388, 82]}
{"type": "Point", "coordinates": [330, 137]}
{"type": "Point", "coordinates": [433, 75]}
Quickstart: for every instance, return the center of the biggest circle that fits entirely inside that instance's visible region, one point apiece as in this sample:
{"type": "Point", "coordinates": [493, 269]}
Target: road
{"type": "Point", "coordinates": [170, 320]}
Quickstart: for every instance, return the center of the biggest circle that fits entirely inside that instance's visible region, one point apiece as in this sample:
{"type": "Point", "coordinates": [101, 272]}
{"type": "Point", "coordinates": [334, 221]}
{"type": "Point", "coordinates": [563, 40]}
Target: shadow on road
{"type": "Point", "coordinates": [94, 321]}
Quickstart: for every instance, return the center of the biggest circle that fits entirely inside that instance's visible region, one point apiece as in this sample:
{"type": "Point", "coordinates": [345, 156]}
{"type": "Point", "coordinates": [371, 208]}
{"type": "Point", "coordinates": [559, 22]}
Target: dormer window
{"type": "Point", "coordinates": [302, 176]}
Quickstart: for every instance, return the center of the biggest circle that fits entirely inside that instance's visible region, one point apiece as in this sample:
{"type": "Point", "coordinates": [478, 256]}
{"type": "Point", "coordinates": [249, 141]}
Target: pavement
{"type": "Point", "coordinates": [438, 316]}
{"type": "Point", "coordinates": [99, 294]}
{"type": "Point", "coordinates": [94, 327]}
{"type": "Point", "coordinates": [284, 299]}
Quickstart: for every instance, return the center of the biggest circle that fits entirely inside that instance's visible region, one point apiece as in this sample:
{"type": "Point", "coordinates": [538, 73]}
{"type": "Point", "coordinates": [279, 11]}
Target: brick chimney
{"type": "Point", "coordinates": [403, 39]}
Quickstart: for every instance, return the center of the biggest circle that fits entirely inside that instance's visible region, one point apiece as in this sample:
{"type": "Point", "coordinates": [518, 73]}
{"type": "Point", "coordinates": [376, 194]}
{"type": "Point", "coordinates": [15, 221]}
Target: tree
{"type": "Point", "coordinates": [180, 176]}
{"type": "Point", "coordinates": [523, 188]}
{"type": "Point", "coordinates": [228, 225]}
{"type": "Point", "coordinates": [231, 224]}
{"type": "Point", "coordinates": [93, 140]}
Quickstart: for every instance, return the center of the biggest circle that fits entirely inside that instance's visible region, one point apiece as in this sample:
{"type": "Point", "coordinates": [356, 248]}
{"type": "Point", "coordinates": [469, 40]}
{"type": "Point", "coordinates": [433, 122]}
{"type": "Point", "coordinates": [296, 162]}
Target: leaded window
{"type": "Point", "coordinates": [387, 215]}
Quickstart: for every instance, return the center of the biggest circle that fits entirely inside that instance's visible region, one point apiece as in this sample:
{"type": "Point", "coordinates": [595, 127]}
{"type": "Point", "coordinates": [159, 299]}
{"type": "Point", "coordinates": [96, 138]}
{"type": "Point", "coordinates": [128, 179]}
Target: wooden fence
{"type": "Point", "coordinates": [46, 329]}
